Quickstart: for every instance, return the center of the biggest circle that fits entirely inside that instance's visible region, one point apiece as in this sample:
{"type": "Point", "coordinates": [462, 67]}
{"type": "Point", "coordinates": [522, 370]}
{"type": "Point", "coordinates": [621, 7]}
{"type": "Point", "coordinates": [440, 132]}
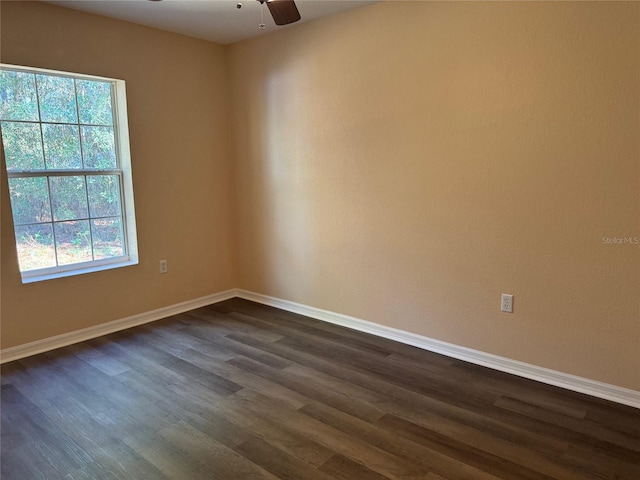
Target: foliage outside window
{"type": "Point", "coordinates": [65, 140]}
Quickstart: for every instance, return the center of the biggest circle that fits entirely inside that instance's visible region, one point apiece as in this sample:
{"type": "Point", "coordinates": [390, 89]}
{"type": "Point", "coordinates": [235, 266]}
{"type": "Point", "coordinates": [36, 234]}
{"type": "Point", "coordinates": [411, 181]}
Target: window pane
{"type": "Point", "coordinates": [73, 242]}
{"type": "Point", "coordinates": [94, 102]}
{"type": "Point", "coordinates": [35, 247]}
{"type": "Point", "coordinates": [22, 145]}
{"type": "Point", "coordinates": [29, 200]}
{"type": "Point", "coordinates": [104, 195]}
{"type": "Point", "coordinates": [107, 238]}
{"type": "Point", "coordinates": [57, 97]}
{"type": "Point", "coordinates": [61, 146]}
{"type": "Point", "coordinates": [60, 138]}
{"type": "Point", "coordinates": [18, 96]}
{"type": "Point", "coordinates": [69, 198]}
{"type": "Point", "coordinates": [98, 147]}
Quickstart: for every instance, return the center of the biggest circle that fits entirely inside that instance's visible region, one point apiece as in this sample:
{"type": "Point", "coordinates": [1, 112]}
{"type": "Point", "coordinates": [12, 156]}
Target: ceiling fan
{"type": "Point", "coordinates": [283, 12]}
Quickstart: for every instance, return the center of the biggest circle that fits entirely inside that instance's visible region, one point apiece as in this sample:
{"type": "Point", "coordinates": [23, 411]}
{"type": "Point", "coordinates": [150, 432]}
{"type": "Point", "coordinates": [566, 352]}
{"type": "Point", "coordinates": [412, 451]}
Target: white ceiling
{"type": "Point", "coordinates": [214, 20]}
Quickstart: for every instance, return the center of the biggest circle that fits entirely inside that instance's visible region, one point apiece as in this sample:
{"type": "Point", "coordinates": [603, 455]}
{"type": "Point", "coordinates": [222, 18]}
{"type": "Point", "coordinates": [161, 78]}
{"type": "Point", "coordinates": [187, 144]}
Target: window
{"type": "Point", "coordinates": [66, 145]}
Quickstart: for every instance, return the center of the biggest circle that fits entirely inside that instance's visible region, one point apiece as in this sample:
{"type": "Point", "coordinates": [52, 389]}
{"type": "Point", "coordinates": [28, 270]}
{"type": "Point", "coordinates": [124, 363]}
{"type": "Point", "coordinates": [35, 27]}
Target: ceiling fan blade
{"type": "Point", "coordinates": [283, 11]}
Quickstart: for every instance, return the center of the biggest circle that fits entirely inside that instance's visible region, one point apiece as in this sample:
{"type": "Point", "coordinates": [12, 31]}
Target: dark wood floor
{"type": "Point", "coordinates": [242, 391]}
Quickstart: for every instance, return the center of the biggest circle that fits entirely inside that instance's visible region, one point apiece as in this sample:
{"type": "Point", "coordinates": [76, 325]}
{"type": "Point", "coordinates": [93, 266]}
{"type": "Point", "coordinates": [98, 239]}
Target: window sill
{"type": "Point", "coordinates": [78, 271]}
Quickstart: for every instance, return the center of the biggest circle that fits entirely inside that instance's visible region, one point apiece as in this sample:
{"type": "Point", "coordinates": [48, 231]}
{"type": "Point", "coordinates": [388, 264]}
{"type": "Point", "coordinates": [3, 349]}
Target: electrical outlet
{"type": "Point", "coordinates": [506, 303]}
{"type": "Point", "coordinates": [163, 266]}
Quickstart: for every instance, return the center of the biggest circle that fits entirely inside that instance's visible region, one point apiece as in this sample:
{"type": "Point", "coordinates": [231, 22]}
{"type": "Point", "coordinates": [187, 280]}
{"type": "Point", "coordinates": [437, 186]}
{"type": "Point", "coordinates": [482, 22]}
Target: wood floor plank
{"type": "Point", "coordinates": [607, 466]}
{"type": "Point", "coordinates": [355, 447]}
{"type": "Point", "coordinates": [227, 325]}
{"type": "Point", "coordinates": [343, 468]}
{"type": "Point", "coordinates": [280, 464]}
{"type": "Point", "coordinates": [219, 461]}
{"type": "Point", "coordinates": [94, 471]}
{"type": "Point", "coordinates": [182, 367]}
{"type": "Point", "coordinates": [285, 328]}
{"type": "Point", "coordinates": [362, 359]}
{"type": "Point", "coordinates": [387, 440]}
{"type": "Point", "coordinates": [496, 385]}
{"type": "Point", "coordinates": [213, 341]}
{"type": "Point", "coordinates": [586, 427]}
{"type": "Point", "coordinates": [551, 465]}
{"type": "Point", "coordinates": [239, 390]}
{"type": "Point", "coordinates": [277, 435]}
{"type": "Point", "coordinates": [69, 415]}
{"type": "Point", "coordinates": [410, 378]}
{"type": "Point", "coordinates": [268, 313]}
{"type": "Point", "coordinates": [512, 426]}
{"type": "Point", "coordinates": [105, 363]}
{"type": "Point", "coordinates": [171, 462]}
{"type": "Point", "coordinates": [32, 460]}
{"type": "Point", "coordinates": [122, 462]}
{"type": "Point", "coordinates": [307, 388]}
{"type": "Point", "coordinates": [245, 378]}
{"type": "Point", "coordinates": [50, 446]}
{"type": "Point", "coordinates": [42, 381]}
{"type": "Point", "coordinates": [255, 425]}
{"type": "Point", "coordinates": [171, 406]}
{"type": "Point", "coordinates": [625, 421]}
{"type": "Point", "coordinates": [465, 449]}
{"type": "Point", "coordinates": [398, 400]}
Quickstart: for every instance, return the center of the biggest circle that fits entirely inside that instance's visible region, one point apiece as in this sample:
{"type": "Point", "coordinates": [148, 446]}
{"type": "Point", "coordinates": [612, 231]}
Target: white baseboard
{"type": "Point", "coordinates": [58, 341]}
{"type": "Point", "coordinates": [564, 380]}
{"type": "Point", "coordinates": [533, 372]}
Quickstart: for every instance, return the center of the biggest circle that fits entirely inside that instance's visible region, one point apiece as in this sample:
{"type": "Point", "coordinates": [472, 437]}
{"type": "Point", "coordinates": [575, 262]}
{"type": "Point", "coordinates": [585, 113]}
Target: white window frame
{"type": "Point", "coordinates": [123, 170]}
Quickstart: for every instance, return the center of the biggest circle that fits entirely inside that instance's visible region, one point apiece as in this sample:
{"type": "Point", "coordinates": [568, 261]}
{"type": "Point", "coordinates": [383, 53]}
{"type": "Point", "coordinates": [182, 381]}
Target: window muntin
{"type": "Point", "coordinates": [65, 139]}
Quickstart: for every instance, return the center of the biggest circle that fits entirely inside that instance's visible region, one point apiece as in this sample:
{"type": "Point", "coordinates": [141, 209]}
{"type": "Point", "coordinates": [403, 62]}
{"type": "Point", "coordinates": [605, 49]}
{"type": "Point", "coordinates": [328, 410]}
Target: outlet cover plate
{"type": "Point", "coordinates": [506, 303]}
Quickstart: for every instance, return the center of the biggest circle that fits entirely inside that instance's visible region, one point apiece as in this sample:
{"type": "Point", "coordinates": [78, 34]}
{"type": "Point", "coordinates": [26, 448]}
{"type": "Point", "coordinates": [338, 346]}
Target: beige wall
{"type": "Point", "coordinates": [408, 162]}
{"type": "Point", "coordinates": [177, 91]}
{"type": "Point", "coordinates": [404, 163]}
